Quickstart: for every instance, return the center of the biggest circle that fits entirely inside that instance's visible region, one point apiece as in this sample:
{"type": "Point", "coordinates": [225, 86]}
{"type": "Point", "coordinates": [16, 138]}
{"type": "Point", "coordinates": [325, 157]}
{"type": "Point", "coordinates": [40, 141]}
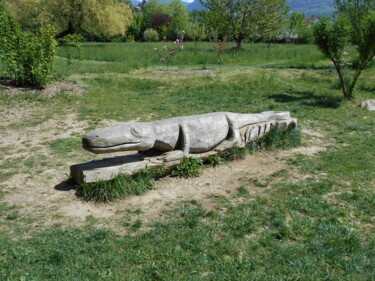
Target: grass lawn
{"type": "Point", "coordinates": [312, 220]}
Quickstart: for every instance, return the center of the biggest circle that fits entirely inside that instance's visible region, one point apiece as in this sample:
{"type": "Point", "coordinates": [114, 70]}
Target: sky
{"type": "Point", "coordinates": [187, 1]}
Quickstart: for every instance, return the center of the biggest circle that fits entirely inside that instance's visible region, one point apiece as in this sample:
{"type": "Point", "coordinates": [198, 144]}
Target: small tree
{"type": "Point", "coordinates": [244, 19]}
{"type": "Point", "coordinates": [332, 38]}
{"type": "Point", "coordinates": [289, 31]}
{"type": "Point", "coordinates": [196, 32]}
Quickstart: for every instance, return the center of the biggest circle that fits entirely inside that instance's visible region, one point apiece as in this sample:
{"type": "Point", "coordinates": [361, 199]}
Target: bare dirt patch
{"type": "Point", "coordinates": [49, 91]}
{"type": "Point", "coordinates": [185, 72]}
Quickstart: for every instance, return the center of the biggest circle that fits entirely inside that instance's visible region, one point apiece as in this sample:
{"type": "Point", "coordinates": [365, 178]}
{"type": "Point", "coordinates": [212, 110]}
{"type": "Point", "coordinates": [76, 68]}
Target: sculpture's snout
{"type": "Point", "coordinates": [86, 141]}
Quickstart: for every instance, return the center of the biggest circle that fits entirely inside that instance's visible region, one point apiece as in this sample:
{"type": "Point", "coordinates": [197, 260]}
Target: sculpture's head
{"type": "Point", "coordinates": [121, 137]}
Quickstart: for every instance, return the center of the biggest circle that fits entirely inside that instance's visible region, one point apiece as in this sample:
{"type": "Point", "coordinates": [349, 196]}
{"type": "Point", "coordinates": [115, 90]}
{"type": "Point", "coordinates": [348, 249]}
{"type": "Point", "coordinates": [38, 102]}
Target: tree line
{"type": "Point", "coordinates": [154, 20]}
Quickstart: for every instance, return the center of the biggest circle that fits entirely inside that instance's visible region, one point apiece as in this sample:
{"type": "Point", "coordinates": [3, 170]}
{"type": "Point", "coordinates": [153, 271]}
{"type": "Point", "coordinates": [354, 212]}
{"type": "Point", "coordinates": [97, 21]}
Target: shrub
{"type": "Point", "coordinates": [150, 35]}
{"type": "Point", "coordinates": [189, 167]}
{"type": "Point", "coordinates": [28, 58]}
{"type": "Point", "coordinates": [214, 160]}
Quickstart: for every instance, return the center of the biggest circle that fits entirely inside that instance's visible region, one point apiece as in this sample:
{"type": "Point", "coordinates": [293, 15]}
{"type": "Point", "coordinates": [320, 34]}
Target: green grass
{"type": "Point", "coordinates": [119, 187]}
{"type": "Point", "coordinates": [120, 58]}
{"type": "Point", "coordinates": [65, 146]}
{"type": "Point", "coordinates": [314, 220]}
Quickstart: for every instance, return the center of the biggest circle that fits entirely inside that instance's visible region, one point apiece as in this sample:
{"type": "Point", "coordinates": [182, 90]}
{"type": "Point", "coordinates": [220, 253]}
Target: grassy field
{"type": "Point", "coordinates": [311, 220]}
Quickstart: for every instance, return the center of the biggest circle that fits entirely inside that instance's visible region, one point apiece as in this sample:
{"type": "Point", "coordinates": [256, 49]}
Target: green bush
{"type": "Point", "coordinates": [189, 167]}
{"type": "Point", "coordinates": [27, 58]}
{"type": "Point", "coordinates": [150, 35]}
{"type": "Point", "coordinates": [214, 160]}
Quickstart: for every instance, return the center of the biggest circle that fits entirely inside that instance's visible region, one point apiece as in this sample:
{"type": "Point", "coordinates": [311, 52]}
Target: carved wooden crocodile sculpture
{"type": "Point", "coordinates": [191, 134]}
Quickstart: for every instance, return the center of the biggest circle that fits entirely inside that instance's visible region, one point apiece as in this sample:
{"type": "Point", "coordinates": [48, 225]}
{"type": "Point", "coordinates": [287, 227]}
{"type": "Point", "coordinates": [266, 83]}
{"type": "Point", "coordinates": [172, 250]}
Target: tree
{"type": "Point", "coordinates": [161, 23]}
{"type": "Point", "coordinates": [175, 10]}
{"type": "Point", "coordinates": [355, 10]}
{"type": "Point", "coordinates": [291, 28]}
{"type": "Point", "coordinates": [332, 38]}
{"type": "Point", "coordinates": [103, 18]}
{"type": "Point", "coordinates": [150, 8]}
{"type": "Point", "coordinates": [246, 18]}
{"type": "Point", "coordinates": [196, 31]}
{"type": "Point", "coordinates": [180, 16]}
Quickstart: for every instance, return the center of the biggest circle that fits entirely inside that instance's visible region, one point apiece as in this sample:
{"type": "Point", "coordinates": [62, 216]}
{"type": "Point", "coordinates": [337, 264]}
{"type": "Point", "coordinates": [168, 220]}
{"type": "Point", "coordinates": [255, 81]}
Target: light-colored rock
{"type": "Point", "coordinates": [368, 104]}
{"type": "Point", "coordinates": [201, 136]}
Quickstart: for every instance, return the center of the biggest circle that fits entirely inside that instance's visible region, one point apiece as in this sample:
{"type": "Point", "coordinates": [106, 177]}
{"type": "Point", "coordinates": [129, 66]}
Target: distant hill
{"type": "Point", "coordinates": [312, 7]}
{"type": "Point", "coordinates": [195, 6]}
{"type": "Point", "coordinates": [308, 7]}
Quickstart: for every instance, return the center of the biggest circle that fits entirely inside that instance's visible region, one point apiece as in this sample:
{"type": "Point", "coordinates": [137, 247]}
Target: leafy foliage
{"type": "Point", "coordinates": [94, 17]}
{"type": "Point", "coordinates": [71, 44]}
{"type": "Point", "coordinates": [356, 11]}
{"type": "Point", "coordinates": [196, 31]}
{"type": "Point", "coordinates": [168, 18]}
{"type": "Point", "coordinates": [189, 167]}
{"type": "Point", "coordinates": [247, 18]}
{"type": "Point", "coordinates": [332, 38]}
{"type": "Point", "coordinates": [151, 35]}
{"type": "Point", "coordinates": [293, 29]}
{"type": "Point", "coordinates": [214, 160]}
{"type": "Point", "coordinates": [28, 58]}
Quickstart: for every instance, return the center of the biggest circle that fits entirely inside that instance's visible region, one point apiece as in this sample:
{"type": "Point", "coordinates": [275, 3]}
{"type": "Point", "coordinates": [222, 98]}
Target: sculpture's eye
{"type": "Point", "coordinates": [136, 131]}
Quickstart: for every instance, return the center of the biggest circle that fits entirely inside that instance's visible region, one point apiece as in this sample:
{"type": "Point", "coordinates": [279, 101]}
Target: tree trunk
{"type": "Point", "coordinates": [69, 30]}
{"type": "Point", "coordinates": [238, 44]}
{"type": "Point", "coordinates": [341, 77]}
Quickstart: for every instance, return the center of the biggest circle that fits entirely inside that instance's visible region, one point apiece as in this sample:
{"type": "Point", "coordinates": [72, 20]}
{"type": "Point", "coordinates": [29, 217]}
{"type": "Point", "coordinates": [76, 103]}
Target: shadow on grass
{"type": "Point", "coordinates": [309, 98]}
{"type": "Point", "coordinates": [67, 185]}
